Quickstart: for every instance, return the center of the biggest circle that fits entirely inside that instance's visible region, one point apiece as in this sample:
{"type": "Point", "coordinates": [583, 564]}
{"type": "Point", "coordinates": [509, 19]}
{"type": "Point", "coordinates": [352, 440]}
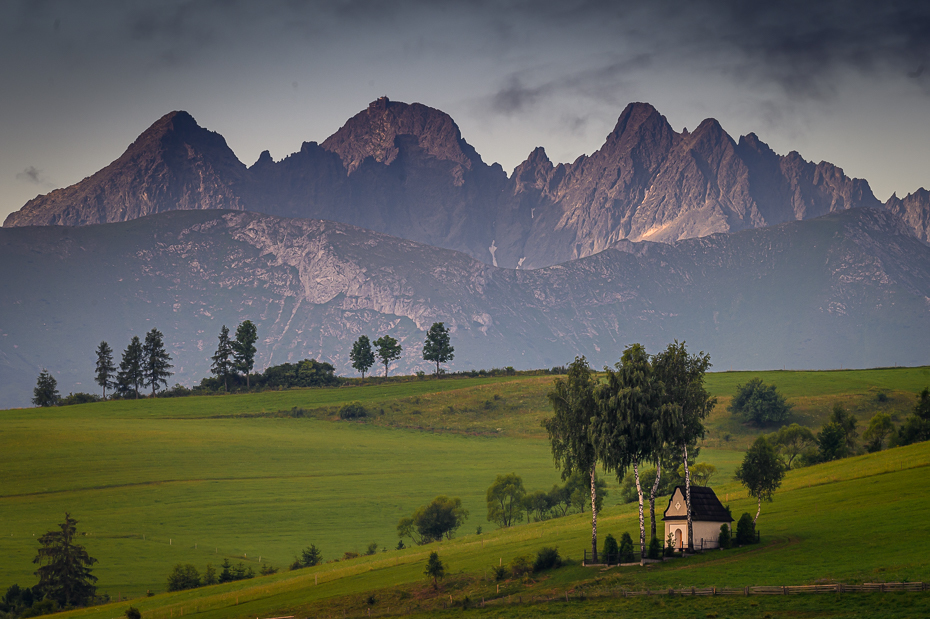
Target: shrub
{"type": "Point", "coordinates": [267, 570]}
{"type": "Point", "coordinates": [133, 613]}
{"type": "Point", "coordinates": [725, 539]}
{"type": "Point", "coordinates": [372, 549]}
{"type": "Point", "coordinates": [745, 530]}
{"type": "Point", "coordinates": [655, 548]}
{"type": "Point", "coordinates": [520, 566]}
{"type": "Point", "coordinates": [309, 557]}
{"type": "Point", "coordinates": [349, 555]}
{"type": "Point", "coordinates": [670, 545]}
{"type": "Point", "coordinates": [759, 404]}
{"type": "Point", "coordinates": [626, 548]}
{"type": "Point", "coordinates": [352, 410]}
{"type": "Point", "coordinates": [611, 549]}
{"type": "Point", "coordinates": [547, 558]}
{"type": "Point", "coordinates": [500, 572]}
{"type": "Point", "coordinates": [79, 398]}
{"type": "Point", "coordinates": [183, 576]}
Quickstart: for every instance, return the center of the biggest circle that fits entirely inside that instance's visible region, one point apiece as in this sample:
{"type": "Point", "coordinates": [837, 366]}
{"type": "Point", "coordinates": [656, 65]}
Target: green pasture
{"type": "Point", "coordinates": [852, 521]}
{"type": "Point", "coordinates": [261, 476]}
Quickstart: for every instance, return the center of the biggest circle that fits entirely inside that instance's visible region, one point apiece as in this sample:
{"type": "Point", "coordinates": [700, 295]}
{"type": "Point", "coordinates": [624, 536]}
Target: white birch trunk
{"type": "Point", "coordinates": [688, 499]}
{"type": "Point", "coordinates": [642, 524]}
{"type": "Point", "coordinates": [593, 517]}
{"type": "Point", "coordinates": [652, 497]}
{"type": "Point", "coordinates": [758, 511]}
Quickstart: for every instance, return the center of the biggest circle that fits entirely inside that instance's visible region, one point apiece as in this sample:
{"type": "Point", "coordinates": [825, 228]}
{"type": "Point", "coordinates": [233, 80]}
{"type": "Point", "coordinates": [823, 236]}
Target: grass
{"type": "Point", "coordinates": [158, 482]}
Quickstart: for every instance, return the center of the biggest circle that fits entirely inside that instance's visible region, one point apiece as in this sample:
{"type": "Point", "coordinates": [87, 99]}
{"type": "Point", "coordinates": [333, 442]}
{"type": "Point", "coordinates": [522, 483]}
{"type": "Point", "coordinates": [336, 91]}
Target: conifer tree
{"type": "Point", "coordinates": [244, 349]}
{"type": "Point", "coordinates": [64, 572]}
{"type": "Point", "coordinates": [106, 371]}
{"type": "Point", "coordinates": [129, 378]}
{"type": "Point", "coordinates": [223, 364]}
{"type": "Point", "coordinates": [46, 390]}
{"type": "Point", "coordinates": [155, 361]}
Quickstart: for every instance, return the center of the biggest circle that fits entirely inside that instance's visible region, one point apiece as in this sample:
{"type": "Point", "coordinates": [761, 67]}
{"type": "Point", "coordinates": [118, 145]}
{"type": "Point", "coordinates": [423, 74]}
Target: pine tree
{"type": "Point", "coordinates": [46, 390]}
{"type": "Point", "coordinates": [244, 348]}
{"type": "Point", "coordinates": [129, 378]}
{"type": "Point", "coordinates": [362, 357]}
{"type": "Point", "coordinates": [155, 361]}
{"type": "Point", "coordinates": [64, 575]}
{"type": "Point", "coordinates": [106, 371]}
{"type": "Point", "coordinates": [223, 359]}
{"type": "Point", "coordinates": [437, 347]}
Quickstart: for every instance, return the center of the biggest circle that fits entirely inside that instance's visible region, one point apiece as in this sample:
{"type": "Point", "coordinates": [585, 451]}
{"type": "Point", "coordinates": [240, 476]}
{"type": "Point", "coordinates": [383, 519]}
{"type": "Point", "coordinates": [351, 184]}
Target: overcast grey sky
{"type": "Point", "coordinates": [846, 82]}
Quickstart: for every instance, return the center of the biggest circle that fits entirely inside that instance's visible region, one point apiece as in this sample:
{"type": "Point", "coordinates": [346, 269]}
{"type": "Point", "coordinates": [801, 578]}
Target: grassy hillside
{"type": "Point", "coordinates": [200, 479]}
{"type": "Point", "coordinates": [822, 517]}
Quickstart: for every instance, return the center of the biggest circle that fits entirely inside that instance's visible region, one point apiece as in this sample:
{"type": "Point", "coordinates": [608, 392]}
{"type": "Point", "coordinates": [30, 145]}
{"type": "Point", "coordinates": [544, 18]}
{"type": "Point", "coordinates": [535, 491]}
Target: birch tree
{"type": "Point", "coordinates": [629, 427]}
{"type": "Point", "coordinates": [761, 472]}
{"type": "Point", "coordinates": [570, 430]}
{"type": "Point", "coordinates": [683, 377]}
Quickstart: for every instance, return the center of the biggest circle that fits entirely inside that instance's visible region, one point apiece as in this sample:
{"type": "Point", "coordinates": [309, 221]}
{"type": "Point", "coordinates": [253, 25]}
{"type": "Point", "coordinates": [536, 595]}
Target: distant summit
{"type": "Point", "coordinates": [405, 170]}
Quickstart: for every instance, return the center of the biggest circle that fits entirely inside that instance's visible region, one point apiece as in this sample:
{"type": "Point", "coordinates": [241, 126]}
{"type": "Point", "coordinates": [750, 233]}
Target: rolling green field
{"type": "Point", "coordinates": [256, 478]}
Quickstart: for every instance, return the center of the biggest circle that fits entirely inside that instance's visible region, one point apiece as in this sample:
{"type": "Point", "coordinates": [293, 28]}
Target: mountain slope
{"type": "Point", "coordinates": [848, 289]}
{"type": "Point", "coordinates": [405, 170]}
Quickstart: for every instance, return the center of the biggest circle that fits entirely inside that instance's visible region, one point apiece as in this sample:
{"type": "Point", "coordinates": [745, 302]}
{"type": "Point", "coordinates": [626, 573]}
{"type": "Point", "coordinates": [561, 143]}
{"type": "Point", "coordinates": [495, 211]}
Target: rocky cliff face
{"type": "Point", "coordinates": [850, 289]}
{"type": "Point", "coordinates": [174, 165]}
{"type": "Point", "coordinates": [405, 170]}
{"type": "Point", "coordinates": [914, 210]}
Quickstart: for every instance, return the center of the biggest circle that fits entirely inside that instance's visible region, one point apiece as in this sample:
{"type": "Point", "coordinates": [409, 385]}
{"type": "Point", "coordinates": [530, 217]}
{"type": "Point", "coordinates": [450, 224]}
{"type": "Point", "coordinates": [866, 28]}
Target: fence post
{"type": "Point", "coordinates": [747, 590]}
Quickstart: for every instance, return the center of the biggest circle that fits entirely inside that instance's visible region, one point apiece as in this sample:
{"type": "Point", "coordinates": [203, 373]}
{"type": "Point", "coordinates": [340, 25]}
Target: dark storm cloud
{"type": "Point", "coordinates": [34, 176]}
{"type": "Point", "coordinates": [805, 49]}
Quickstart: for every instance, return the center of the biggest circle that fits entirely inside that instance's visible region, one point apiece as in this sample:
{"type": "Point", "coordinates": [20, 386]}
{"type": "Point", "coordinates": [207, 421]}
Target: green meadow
{"type": "Point", "coordinates": [256, 478]}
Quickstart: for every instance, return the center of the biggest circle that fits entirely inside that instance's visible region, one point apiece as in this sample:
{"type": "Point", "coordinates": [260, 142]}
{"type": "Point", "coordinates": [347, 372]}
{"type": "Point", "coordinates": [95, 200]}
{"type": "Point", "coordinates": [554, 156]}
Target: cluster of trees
{"type": "Point", "coordinates": [437, 348]}
{"type": "Point", "coordinates": [437, 520]}
{"type": "Point", "coordinates": [759, 404]}
{"type": "Point", "coordinates": [546, 558]}
{"type": "Point", "coordinates": [65, 576]}
{"type": "Point", "coordinates": [144, 364]}
{"type": "Point", "coordinates": [701, 474]}
{"type": "Point", "coordinates": [643, 409]}
{"type": "Point", "coordinates": [508, 501]}
{"type": "Point", "coordinates": [185, 575]}
{"type": "Point", "coordinates": [235, 357]}
{"type": "Point", "coordinates": [838, 437]}
{"type": "Point", "coordinates": [305, 373]}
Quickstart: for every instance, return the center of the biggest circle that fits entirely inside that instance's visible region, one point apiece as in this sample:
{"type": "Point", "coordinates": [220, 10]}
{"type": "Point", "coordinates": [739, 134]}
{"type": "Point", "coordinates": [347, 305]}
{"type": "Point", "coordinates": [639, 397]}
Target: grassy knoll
{"type": "Point", "coordinates": [852, 521]}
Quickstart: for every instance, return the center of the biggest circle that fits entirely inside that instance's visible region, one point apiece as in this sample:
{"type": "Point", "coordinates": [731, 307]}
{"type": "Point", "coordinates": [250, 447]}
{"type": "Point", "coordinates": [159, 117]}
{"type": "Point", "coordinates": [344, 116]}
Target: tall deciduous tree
{"type": "Point", "coordinates": [682, 375]}
{"type": "Point", "coordinates": [916, 427]}
{"type": "Point", "coordinates": [761, 472]}
{"type": "Point", "coordinates": [792, 441]}
{"type": "Point", "coordinates": [845, 420]}
{"type": "Point", "coordinates": [223, 363]}
{"type": "Point", "coordinates": [64, 567]}
{"type": "Point", "coordinates": [387, 350]}
{"type": "Point", "coordinates": [129, 378]}
{"type": "Point", "coordinates": [155, 361]}
{"type": "Point", "coordinates": [880, 428]}
{"type": "Point", "coordinates": [435, 521]}
{"type": "Point", "coordinates": [244, 349]}
{"type": "Point", "coordinates": [437, 347]}
{"type": "Point", "coordinates": [570, 430]}
{"type": "Point", "coordinates": [505, 498]}
{"type": "Point", "coordinates": [631, 426]}
{"type": "Point", "coordinates": [45, 392]}
{"type": "Point", "coordinates": [362, 357]}
{"type": "Point", "coordinates": [106, 371]}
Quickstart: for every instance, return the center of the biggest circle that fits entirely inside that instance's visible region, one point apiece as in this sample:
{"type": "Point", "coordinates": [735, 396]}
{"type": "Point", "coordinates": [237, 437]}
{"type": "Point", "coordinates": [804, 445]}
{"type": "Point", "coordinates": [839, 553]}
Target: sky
{"type": "Point", "coordinates": [845, 82]}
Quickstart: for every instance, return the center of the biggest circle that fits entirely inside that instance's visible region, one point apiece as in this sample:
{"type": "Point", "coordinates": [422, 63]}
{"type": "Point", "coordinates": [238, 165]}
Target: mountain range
{"type": "Point", "coordinates": [850, 288]}
{"type": "Point", "coordinates": [405, 170]}
{"type": "Point", "coordinates": [395, 222]}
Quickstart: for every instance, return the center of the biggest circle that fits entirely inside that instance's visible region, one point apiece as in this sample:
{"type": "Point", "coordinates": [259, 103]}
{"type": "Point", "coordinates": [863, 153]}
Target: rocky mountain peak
{"type": "Point", "coordinates": [373, 132]}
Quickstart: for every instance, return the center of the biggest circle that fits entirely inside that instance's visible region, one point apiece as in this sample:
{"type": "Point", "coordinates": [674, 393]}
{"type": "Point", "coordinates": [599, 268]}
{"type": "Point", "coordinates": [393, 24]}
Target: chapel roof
{"type": "Point", "coordinates": [705, 506]}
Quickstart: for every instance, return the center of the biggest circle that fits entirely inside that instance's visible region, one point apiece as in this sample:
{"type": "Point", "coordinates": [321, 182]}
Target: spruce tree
{"type": "Point", "coordinates": [106, 371]}
{"type": "Point", "coordinates": [223, 359]}
{"type": "Point", "coordinates": [46, 390]}
{"type": "Point", "coordinates": [64, 572]}
{"type": "Point", "coordinates": [155, 361]}
{"type": "Point", "coordinates": [129, 378]}
{"type": "Point", "coordinates": [244, 349]}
